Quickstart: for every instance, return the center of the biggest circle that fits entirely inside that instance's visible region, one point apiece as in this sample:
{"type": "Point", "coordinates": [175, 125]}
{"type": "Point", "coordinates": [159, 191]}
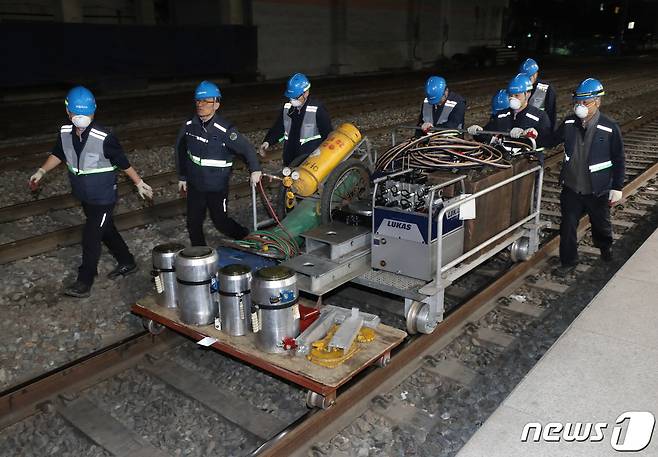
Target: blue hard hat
{"type": "Point", "coordinates": [80, 100]}
{"type": "Point", "coordinates": [519, 84]}
{"type": "Point", "coordinates": [588, 89]}
{"type": "Point", "coordinates": [529, 67]}
{"type": "Point", "coordinates": [206, 89]}
{"type": "Point", "coordinates": [297, 85]}
{"type": "Point", "coordinates": [500, 101]}
{"type": "Point", "coordinates": [435, 87]}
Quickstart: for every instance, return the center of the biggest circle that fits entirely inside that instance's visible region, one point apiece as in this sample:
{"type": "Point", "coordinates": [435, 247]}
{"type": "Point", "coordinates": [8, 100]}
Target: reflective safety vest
{"type": "Point", "coordinates": [428, 112]}
{"type": "Point", "coordinates": [92, 176]}
{"type": "Point", "coordinates": [538, 99]}
{"type": "Point", "coordinates": [599, 155]}
{"type": "Point", "coordinates": [309, 131]}
{"type": "Point", "coordinates": [210, 160]}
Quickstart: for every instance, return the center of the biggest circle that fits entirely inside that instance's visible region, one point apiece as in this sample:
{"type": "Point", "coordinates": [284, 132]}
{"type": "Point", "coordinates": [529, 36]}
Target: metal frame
{"type": "Point", "coordinates": [429, 312]}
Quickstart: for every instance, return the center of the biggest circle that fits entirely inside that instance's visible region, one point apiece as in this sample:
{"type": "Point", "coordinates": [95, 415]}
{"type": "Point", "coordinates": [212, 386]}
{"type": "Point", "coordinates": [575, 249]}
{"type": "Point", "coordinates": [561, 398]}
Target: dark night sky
{"type": "Point", "coordinates": [589, 23]}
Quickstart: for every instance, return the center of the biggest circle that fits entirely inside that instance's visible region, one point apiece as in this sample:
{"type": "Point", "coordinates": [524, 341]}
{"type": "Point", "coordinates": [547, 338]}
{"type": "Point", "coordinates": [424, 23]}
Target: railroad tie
{"type": "Point", "coordinates": [625, 224]}
{"type": "Point", "coordinates": [550, 286]}
{"type": "Point", "coordinates": [489, 335]}
{"type": "Point", "coordinates": [106, 431]}
{"type": "Point", "coordinates": [406, 416]}
{"type": "Point", "coordinates": [451, 369]}
{"type": "Point", "coordinates": [633, 211]}
{"type": "Point", "coordinates": [585, 249]}
{"type": "Point", "coordinates": [231, 407]}
{"type": "Point", "coordinates": [524, 308]}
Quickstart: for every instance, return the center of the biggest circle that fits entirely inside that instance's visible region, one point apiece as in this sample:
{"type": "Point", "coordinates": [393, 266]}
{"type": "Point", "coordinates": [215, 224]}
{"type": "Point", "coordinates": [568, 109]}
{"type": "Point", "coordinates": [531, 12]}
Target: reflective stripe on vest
{"type": "Point", "coordinates": [538, 99]}
{"type": "Point", "coordinates": [428, 112]}
{"type": "Point", "coordinates": [92, 158]}
{"type": "Point", "coordinates": [600, 166]}
{"type": "Point", "coordinates": [309, 130]}
{"type": "Point", "coordinates": [209, 162]}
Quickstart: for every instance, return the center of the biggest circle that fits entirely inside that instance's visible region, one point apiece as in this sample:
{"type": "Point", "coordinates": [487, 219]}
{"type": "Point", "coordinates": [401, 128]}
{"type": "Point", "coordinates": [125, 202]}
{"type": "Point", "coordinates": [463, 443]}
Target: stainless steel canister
{"type": "Point", "coordinates": [274, 293]}
{"type": "Point", "coordinates": [235, 299]}
{"type": "Point", "coordinates": [164, 273]}
{"type": "Point", "coordinates": [196, 275]}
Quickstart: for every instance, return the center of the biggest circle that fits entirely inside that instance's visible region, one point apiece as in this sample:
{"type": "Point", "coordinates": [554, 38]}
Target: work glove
{"type": "Point", "coordinates": [614, 196]}
{"type": "Point", "coordinates": [530, 133]}
{"type": "Point", "coordinates": [255, 177]}
{"type": "Point", "coordinates": [474, 130]}
{"type": "Point", "coordinates": [262, 148]}
{"type": "Point", "coordinates": [182, 187]}
{"type": "Point", "coordinates": [36, 177]}
{"type": "Point", "coordinates": [426, 127]}
{"type": "Point", "coordinates": [516, 132]}
{"type": "Point", "coordinates": [144, 190]}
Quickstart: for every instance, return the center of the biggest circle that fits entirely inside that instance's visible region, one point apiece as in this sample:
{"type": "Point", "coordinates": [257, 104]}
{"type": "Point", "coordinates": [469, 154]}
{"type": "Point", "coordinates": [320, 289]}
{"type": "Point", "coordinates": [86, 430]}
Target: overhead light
{"type": "Point", "coordinates": [631, 25]}
{"type": "Point", "coordinates": [601, 7]}
{"type": "Point", "coordinates": [545, 35]}
{"type": "Point", "coordinates": [529, 35]}
{"type": "Point", "coordinates": [609, 47]}
{"type": "Point", "coordinates": [509, 46]}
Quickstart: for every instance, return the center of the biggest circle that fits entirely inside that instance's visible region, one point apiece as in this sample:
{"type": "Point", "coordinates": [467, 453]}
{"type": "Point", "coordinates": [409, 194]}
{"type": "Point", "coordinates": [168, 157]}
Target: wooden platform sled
{"type": "Point", "coordinates": [321, 383]}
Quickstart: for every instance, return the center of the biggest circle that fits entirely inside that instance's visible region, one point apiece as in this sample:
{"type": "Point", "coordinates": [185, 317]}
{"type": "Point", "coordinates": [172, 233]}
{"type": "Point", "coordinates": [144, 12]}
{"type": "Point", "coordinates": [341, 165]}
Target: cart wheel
{"type": "Point", "coordinates": [315, 400]}
{"type": "Point", "coordinates": [154, 328]}
{"type": "Point", "coordinates": [418, 319]}
{"type": "Point", "coordinates": [520, 250]}
{"type": "Point", "coordinates": [281, 207]}
{"type": "Point", "coordinates": [384, 360]}
{"type": "Point", "coordinates": [348, 182]}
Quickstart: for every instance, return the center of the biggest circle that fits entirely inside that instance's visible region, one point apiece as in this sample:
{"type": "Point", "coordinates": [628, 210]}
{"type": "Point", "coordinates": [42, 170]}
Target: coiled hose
{"type": "Point", "coordinates": [443, 151]}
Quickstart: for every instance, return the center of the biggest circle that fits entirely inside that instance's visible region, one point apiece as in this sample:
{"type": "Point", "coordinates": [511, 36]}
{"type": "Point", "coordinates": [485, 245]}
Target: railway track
{"type": "Point", "coordinates": [60, 391]}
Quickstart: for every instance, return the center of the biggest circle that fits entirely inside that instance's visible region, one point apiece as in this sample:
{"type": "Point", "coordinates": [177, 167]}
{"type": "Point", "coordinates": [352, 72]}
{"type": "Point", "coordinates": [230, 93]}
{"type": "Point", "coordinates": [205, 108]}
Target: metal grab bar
{"type": "Point", "coordinates": [535, 213]}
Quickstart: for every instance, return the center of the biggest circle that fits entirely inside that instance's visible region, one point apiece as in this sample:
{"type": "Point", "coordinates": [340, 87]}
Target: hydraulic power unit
{"type": "Point", "coordinates": [406, 227]}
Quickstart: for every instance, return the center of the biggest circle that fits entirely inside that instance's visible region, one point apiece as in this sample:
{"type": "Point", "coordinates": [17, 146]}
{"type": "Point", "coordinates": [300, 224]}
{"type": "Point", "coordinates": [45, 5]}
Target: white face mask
{"type": "Point", "coordinates": [81, 121]}
{"type": "Point", "coordinates": [514, 103]}
{"type": "Point", "coordinates": [581, 111]}
{"type": "Point", "coordinates": [296, 102]}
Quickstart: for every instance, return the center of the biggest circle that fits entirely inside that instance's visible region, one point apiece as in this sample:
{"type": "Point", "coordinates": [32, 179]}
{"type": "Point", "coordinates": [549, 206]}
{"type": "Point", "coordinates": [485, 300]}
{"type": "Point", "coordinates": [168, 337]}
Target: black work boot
{"type": "Point", "coordinates": [564, 270]}
{"type": "Point", "coordinates": [78, 289]}
{"type": "Point", "coordinates": [122, 270]}
{"type": "Point", "coordinates": [606, 254]}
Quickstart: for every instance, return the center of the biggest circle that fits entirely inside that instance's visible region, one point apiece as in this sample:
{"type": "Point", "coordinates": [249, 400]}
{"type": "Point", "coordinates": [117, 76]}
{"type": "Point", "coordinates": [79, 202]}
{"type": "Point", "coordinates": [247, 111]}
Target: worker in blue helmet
{"type": "Point", "coordinates": [499, 102]}
{"type": "Point", "coordinates": [92, 154]}
{"type": "Point", "coordinates": [441, 108]}
{"type": "Point", "coordinates": [524, 123]}
{"type": "Point", "coordinates": [543, 95]}
{"type": "Point", "coordinates": [592, 174]}
{"type": "Point", "coordinates": [301, 125]}
{"type": "Point", "coordinates": [205, 148]}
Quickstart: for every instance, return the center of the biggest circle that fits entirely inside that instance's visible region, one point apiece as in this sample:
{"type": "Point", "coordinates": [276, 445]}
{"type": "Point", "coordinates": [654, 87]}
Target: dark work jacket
{"type": "Point", "coordinates": [292, 147]}
{"type": "Point", "coordinates": [205, 152]}
{"type": "Point", "coordinates": [606, 161]}
{"type": "Point", "coordinates": [524, 119]}
{"type": "Point", "coordinates": [455, 119]}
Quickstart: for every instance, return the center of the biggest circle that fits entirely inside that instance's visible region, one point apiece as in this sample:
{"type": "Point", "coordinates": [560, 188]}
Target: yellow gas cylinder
{"type": "Point", "coordinates": [330, 153]}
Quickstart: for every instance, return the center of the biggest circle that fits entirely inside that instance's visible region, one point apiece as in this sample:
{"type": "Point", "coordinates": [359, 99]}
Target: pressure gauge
{"type": "Point", "coordinates": [295, 175]}
{"type": "Point", "coordinates": [286, 171]}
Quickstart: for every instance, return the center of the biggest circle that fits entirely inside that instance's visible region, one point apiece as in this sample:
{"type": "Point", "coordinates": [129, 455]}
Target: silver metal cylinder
{"type": "Point", "coordinates": [275, 294]}
{"type": "Point", "coordinates": [164, 273]}
{"type": "Point", "coordinates": [196, 274]}
{"type": "Point", "coordinates": [235, 299]}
